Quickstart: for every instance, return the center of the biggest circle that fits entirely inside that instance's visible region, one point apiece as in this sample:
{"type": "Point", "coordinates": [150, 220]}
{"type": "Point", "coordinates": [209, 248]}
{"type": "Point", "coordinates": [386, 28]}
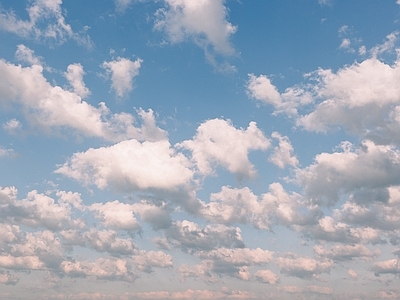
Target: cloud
{"type": "Point", "coordinates": [122, 72]}
{"type": "Point", "coordinates": [8, 279]}
{"type": "Point", "coordinates": [102, 268]}
{"type": "Point", "coordinates": [241, 206]}
{"type": "Point", "coordinates": [260, 88]}
{"type": "Point", "coordinates": [362, 98]}
{"type": "Point", "coordinates": [6, 152]}
{"type": "Point", "coordinates": [27, 55]}
{"type": "Point", "coordinates": [147, 260]}
{"type": "Point", "coordinates": [51, 108]}
{"type": "Point", "coordinates": [391, 266]}
{"type": "Point", "coordinates": [283, 154]}
{"type": "Point", "coordinates": [190, 237]}
{"type": "Point", "coordinates": [303, 267]}
{"type": "Point", "coordinates": [131, 166]}
{"type": "Point", "coordinates": [202, 21]}
{"type": "Point", "coordinates": [218, 142]}
{"type": "Point", "coordinates": [37, 210]}
{"type": "Point", "coordinates": [267, 276]}
{"type": "Point", "coordinates": [74, 75]}
{"type": "Point", "coordinates": [369, 167]}
{"type": "Point", "coordinates": [346, 252]}
{"type": "Point", "coordinates": [122, 5]}
{"type": "Point", "coordinates": [115, 215]}
{"type": "Point", "coordinates": [46, 22]}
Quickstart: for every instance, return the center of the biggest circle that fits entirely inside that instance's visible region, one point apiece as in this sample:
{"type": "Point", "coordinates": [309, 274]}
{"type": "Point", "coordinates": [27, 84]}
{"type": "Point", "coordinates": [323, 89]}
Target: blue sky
{"type": "Point", "coordinates": [208, 149]}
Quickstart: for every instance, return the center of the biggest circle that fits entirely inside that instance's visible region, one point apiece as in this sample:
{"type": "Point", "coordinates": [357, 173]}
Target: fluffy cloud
{"type": "Point", "coordinates": [346, 252]}
{"type": "Point", "coordinates": [267, 276]}
{"type": "Point", "coordinates": [27, 55]}
{"type": "Point", "coordinates": [260, 88]}
{"type": "Point", "coordinates": [218, 142]}
{"type": "Point", "coordinates": [369, 167]}
{"type": "Point", "coordinates": [232, 206]}
{"type": "Point", "coordinates": [122, 72]}
{"type": "Point", "coordinates": [283, 153]}
{"type": "Point", "coordinates": [303, 267]}
{"type": "Point", "coordinates": [391, 266]}
{"type": "Point", "coordinates": [362, 98]}
{"type": "Point", "coordinates": [146, 261]}
{"type": "Point", "coordinates": [203, 21]}
{"type": "Point", "coordinates": [46, 22]}
{"type": "Point", "coordinates": [191, 237]}
{"type": "Point", "coordinates": [51, 107]}
{"type": "Point", "coordinates": [102, 268]}
{"type": "Point", "coordinates": [74, 75]}
{"type": "Point", "coordinates": [131, 166]}
{"type": "Point", "coordinates": [37, 210]}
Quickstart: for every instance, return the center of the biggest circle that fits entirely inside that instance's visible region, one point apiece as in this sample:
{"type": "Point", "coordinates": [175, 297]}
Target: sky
{"type": "Point", "coordinates": [199, 149]}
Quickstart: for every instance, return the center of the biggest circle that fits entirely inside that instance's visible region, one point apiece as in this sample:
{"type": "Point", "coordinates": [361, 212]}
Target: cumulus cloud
{"type": "Point", "coordinates": [267, 276]}
{"type": "Point", "coordinates": [260, 88]}
{"type": "Point", "coordinates": [218, 142]}
{"type": "Point", "coordinates": [391, 266]}
{"type": "Point", "coordinates": [122, 72]}
{"type": "Point", "coordinates": [369, 167]}
{"type": "Point", "coordinates": [303, 267]}
{"type": "Point", "coordinates": [204, 22]}
{"type": "Point", "coordinates": [46, 22]}
{"type": "Point", "coordinates": [233, 205]}
{"type": "Point", "coordinates": [37, 210]}
{"type": "Point", "coordinates": [27, 55]}
{"type": "Point", "coordinates": [191, 237]}
{"type": "Point", "coordinates": [346, 252]}
{"type": "Point", "coordinates": [283, 154]}
{"type": "Point", "coordinates": [362, 98]}
{"type": "Point", "coordinates": [74, 75]}
{"type": "Point", "coordinates": [51, 108]}
{"type": "Point", "coordinates": [102, 268]}
{"type": "Point", "coordinates": [131, 166]}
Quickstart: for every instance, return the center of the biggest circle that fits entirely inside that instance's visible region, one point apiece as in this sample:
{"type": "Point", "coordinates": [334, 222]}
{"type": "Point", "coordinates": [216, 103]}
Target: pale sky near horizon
{"type": "Point", "coordinates": [199, 149]}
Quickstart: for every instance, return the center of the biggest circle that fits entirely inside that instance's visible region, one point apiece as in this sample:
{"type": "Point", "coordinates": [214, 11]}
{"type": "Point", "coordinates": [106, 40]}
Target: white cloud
{"type": "Point", "coordinates": [122, 72]}
{"type": "Point", "coordinates": [283, 154]}
{"type": "Point", "coordinates": [391, 266]}
{"type": "Point", "coordinates": [74, 75]}
{"type": "Point", "coordinates": [203, 21]}
{"type": "Point", "coordinates": [190, 237]}
{"type": "Point", "coordinates": [261, 89]}
{"type": "Point", "coordinates": [353, 274]}
{"type": "Point", "coordinates": [218, 142]}
{"type": "Point", "coordinates": [267, 276]}
{"type": "Point", "coordinates": [13, 126]}
{"type": "Point", "coordinates": [37, 210]}
{"type": "Point", "coordinates": [115, 215]}
{"type": "Point", "coordinates": [51, 108]}
{"type": "Point", "coordinates": [122, 5]}
{"type": "Point", "coordinates": [147, 260]}
{"type": "Point", "coordinates": [6, 152]}
{"type": "Point", "coordinates": [346, 45]}
{"type": "Point", "coordinates": [388, 45]}
{"type": "Point", "coordinates": [362, 98]}
{"type": "Point", "coordinates": [233, 205]}
{"type": "Point", "coordinates": [131, 166]}
{"type": "Point", "coordinates": [101, 268]}
{"type": "Point", "coordinates": [369, 167]}
{"type": "Point", "coordinates": [46, 22]}
{"type": "Point", "coordinates": [346, 252]}
{"type": "Point", "coordinates": [303, 267]}
{"type": "Point", "coordinates": [27, 55]}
